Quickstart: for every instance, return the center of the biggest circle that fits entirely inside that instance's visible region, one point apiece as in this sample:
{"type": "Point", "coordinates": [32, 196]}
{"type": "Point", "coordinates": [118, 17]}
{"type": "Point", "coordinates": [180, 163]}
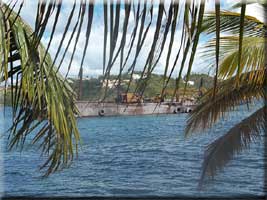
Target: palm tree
{"type": "Point", "coordinates": [42, 99]}
{"type": "Point", "coordinates": [242, 70]}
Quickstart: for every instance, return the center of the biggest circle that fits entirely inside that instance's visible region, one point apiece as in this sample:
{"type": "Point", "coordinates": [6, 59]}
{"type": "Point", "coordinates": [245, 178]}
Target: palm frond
{"type": "Point", "coordinates": [241, 35]}
{"type": "Point", "coordinates": [140, 42]}
{"type": "Point", "coordinates": [217, 46]}
{"type": "Point", "coordinates": [182, 40]}
{"type": "Point", "coordinates": [114, 30]}
{"type": "Point", "coordinates": [238, 138]}
{"type": "Point", "coordinates": [64, 34]}
{"type": "Point", "coordinates": [43, 102]}
{"type": "Point", "coordinates": [173, 28]}
{"type": "Point", "coordinates": [134, 32]}
{"type": "Point", "coordinates": [72, 34]}
{"type": "Point", "coordinates": [105, 35]}
{"type": "Point", "coordinates": [82, 14]}
{"type": "Point", "coordinates": [123, 41]}
{"type": "Point", "coordinates": [186, 38]}
{"type": "Point", "coordinates": [228, 96]}
{"type": "Point", "coordinates": [141, 36]}
{"type": "Point", "coordinates": [192, 34]}
{"type": "Point", "coordinates": [230, 23]}
{"type": "Point", "coordinates": [45, 15]}
{"type": "Point", "coordinates": [196, 36]}
{"type": "Point", "coordinates": [154, 58]}
{"type": "Point", "coordinates": [88, 28]}
{"type": "Point", "coordinates": [151, 55]}
{"type": "Point", "coordinates": [253, 49]}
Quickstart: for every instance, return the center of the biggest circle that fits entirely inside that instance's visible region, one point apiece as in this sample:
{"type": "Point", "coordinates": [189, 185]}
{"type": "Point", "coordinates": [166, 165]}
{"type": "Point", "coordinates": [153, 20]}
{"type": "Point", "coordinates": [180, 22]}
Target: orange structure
{"type": "Point", "coordinates": [129, 98]}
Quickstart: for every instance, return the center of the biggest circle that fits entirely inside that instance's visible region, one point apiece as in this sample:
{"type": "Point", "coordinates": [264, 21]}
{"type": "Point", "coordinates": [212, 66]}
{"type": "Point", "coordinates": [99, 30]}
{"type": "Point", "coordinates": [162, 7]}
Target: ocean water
{"type": "Point", "coordinates": [134, 156]}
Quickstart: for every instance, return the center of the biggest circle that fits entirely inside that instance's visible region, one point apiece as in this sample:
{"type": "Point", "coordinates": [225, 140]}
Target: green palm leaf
{"type": "Point", "coordinates": [223, 149]}
{"type": "Point", "coordinates": [217, 46]}
{"type": "Point", "coordinates": [43, 102]}
{"type": "Point", "coordinates": [228, 96]}
{"type": "Point", "coordinates": [253, 49]}
{"type": "Point", "coordinates": [241, 58]}
{"type": "Point", "coordinates": [230, 23]}
{"type": "Point", "coordinates": [241, 34]}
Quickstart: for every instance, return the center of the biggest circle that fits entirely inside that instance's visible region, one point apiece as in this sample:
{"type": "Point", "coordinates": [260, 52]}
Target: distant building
{"type": "Point", "coordinates": [136, 76]}
{"type": "Point", "coordinates": [113, 83]}
{"type": "Point", "coordinates": [191, 82]}
{"type": "Point", "coordinates": [109, 83]}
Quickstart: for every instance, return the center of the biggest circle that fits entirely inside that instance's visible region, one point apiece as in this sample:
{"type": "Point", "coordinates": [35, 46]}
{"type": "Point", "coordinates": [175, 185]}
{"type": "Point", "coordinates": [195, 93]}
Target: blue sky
{"type": "Point", "coordinates": [93, 61]}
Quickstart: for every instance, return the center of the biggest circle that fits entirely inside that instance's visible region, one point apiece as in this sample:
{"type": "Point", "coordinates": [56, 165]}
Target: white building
{"type": "Point", "coordinates": [191, 82]}
{"type": "Point", "coordinates": [109, 83]}
{"type": "Point", "coordinates": [114, 83]}
{"type": "Point", "coordinates": [136, 76]}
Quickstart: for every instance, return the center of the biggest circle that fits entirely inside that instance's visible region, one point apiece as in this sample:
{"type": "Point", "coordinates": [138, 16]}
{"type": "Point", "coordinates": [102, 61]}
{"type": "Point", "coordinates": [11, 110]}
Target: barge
{"type": "Point", "coordinates": [93, 109]}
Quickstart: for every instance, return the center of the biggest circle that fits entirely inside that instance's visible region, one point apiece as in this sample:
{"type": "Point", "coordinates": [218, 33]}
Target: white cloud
{"type": "Point", "coordinates": [257, 11]}
{"type": "Point", "coordinates": [94, 56]}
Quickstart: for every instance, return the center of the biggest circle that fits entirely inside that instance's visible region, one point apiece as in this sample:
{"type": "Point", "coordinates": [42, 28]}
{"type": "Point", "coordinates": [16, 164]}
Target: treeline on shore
{"type": "Point", "coordinates": [93, 89]}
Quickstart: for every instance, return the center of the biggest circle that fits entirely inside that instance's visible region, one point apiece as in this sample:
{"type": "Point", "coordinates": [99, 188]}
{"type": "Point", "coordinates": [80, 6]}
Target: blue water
{"type": "Point", "coordinates": [135, 156]}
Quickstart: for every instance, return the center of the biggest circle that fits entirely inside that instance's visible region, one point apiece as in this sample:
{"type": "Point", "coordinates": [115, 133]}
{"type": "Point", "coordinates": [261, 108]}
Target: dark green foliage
{"type": "Point", "coordinates": [207, 80]}
{"type": "Point", "coordinates": [93, 88]}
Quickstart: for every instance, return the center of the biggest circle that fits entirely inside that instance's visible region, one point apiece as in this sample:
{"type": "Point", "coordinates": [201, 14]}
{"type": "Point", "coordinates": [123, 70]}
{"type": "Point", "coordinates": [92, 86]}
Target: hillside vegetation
{"type": "Point", "coordinates": [93, 89]}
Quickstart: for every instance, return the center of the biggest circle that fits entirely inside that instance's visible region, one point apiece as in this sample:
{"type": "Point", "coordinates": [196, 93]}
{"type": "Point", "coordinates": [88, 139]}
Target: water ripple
{"type": "Point", "coordinates": [137, 156]}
